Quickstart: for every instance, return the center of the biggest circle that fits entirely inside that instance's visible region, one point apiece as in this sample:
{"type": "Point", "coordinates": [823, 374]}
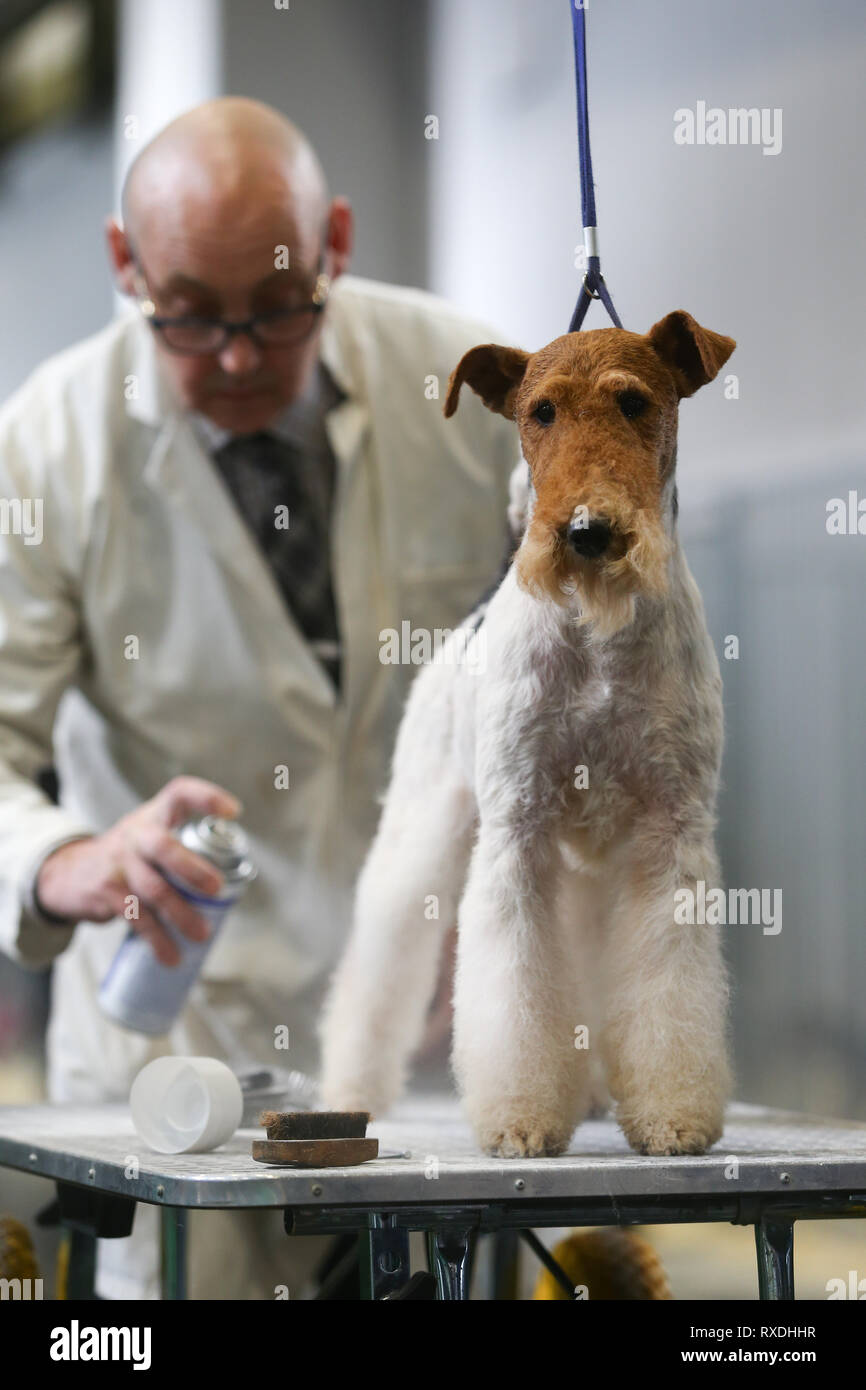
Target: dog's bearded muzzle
{"type": "Point", "coordinates": [596, 565]}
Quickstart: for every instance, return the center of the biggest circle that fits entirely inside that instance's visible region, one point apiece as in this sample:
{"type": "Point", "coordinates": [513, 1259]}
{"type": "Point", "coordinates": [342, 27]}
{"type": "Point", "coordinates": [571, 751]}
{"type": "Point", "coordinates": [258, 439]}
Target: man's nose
{"type": "Point", "coordinates": [240, 356]}
{"type": "Point", "coordinates": [592, 540]}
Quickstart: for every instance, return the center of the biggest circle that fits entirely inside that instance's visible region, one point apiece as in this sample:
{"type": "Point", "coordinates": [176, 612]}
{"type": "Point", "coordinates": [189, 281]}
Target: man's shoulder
{"type": "Point", "coordinates": [91, 369]}
{"type": "Point", "coordinates": [382, 294]}
{"type": "Point", "coordinates": [385, 304]}
{"type": "Point", "coordinates": [407, 340]}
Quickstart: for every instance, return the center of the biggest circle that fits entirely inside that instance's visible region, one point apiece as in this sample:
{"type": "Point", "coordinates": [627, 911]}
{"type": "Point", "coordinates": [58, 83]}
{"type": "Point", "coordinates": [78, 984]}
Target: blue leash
{"type": "Point", "coordinates": [593, 286]}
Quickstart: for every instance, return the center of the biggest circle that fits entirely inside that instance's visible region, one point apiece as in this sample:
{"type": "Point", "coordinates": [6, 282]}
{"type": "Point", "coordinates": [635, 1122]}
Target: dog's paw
{"type": "Point", "coordinates": [672, 1136]}
{"type": "Point", "coordinates": [525, 1141]}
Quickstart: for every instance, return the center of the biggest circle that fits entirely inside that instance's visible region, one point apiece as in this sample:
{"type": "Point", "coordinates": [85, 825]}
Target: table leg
{"type": "Point", "coordinates": [774, 1239]}
{"type": "Point", "coordinates": [384, 1256]}
{"type": "Point", "coordinates": [88, 1215]}
{"type": "Point", "coordinates": [173, 1231]}
{"type": "Point", "coordinates": [504, 1266]}
{"type": "Point", "coordinates": [449, 1254]}
{"type": "Point", "coordinates": [81, 1272]}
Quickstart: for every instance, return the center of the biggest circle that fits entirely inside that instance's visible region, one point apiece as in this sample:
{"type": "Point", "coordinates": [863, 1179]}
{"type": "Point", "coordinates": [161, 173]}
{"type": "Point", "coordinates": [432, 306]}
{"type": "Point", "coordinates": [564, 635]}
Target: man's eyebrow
{"type": "Point", "coordinates": [177, 282]}
{"type": "Point", "coordinates": [295, 277]}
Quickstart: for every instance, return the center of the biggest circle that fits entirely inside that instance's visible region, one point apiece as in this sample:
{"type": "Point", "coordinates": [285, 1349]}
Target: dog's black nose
{"type": "Point", "coordinates": [590, 541]}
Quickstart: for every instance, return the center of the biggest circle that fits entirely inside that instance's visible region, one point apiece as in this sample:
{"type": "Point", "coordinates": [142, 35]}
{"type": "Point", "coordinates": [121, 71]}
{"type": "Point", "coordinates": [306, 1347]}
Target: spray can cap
{"type": "Point", "coordinates": [224, 843]}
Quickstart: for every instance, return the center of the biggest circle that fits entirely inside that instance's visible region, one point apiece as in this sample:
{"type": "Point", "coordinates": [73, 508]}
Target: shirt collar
{"type": "Point", "coordinates": [301, 422]}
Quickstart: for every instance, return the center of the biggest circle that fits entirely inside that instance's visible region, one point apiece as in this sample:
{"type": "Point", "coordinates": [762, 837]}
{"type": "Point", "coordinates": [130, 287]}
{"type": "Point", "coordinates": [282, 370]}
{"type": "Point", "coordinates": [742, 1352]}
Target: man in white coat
{"type": "Point", "coordinates": [163, 644]}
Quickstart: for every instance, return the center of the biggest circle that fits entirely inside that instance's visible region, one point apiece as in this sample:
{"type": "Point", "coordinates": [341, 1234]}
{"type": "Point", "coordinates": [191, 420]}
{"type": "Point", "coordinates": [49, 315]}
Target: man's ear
{"type": "Point", "coordinates": [694, 354]}
{"type": "Point", "coordinates": [493, 372]}
{"type": "Point", "coordinates": [119, 255]}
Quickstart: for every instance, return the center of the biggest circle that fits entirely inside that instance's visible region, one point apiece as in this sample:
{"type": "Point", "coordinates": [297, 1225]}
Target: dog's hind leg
{"type": "Point", "coordinates": [406, 900]}
{"type": "Point", "coordinates": [524, 1083]}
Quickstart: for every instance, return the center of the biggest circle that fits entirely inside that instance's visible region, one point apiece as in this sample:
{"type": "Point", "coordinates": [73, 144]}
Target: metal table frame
{"type": "Point", "coordinates": [452, 1231]}
{"type": "Point", "coordinates": [600, 1184]}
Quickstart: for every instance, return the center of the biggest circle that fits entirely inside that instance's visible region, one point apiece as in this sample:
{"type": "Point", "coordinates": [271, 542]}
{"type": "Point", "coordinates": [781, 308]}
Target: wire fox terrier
{"type": "Point", "coordinates": [553, 803]}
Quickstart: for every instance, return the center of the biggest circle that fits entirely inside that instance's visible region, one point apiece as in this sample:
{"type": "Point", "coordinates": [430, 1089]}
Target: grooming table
{"type": "Point", "coordinates": [770, 1169]}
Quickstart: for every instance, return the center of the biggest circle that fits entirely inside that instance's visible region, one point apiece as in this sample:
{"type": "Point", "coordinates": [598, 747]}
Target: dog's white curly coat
{"type": "Point", "coordinates": [564, 897]}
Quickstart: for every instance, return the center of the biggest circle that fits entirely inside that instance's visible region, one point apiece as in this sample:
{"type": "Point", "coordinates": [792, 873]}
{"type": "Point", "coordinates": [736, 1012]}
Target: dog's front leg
{"type": "Point", "coordinates": [523, 1082]}
{"type": "Point", "coordinates": [664, 1041]}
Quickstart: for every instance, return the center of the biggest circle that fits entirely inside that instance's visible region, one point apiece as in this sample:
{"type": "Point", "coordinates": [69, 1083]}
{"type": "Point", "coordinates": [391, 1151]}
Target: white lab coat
{"type": "Point", "coordinates": [141, 540]}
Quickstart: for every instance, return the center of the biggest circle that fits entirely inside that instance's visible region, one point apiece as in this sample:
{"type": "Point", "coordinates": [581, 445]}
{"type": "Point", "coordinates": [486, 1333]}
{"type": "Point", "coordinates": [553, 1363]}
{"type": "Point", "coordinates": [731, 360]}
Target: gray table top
{"type": "Point", "coordinates": [429, 1156]}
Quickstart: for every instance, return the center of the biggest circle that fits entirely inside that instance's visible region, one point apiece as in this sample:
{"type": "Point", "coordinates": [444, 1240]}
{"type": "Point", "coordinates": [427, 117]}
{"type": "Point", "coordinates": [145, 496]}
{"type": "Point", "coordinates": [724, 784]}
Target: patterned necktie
{"type": "Point", "coordinates": [285, 496]}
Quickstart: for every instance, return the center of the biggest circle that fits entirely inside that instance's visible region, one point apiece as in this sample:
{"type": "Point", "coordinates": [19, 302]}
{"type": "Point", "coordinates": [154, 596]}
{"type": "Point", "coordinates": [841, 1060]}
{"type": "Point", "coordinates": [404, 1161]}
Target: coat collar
{"type": "Point", "coordinates": [178, 467]}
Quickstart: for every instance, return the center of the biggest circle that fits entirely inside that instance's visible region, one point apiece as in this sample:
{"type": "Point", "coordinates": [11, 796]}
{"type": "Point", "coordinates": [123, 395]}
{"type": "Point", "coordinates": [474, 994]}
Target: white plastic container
{"type": "Point", "coordinates": [186, 1104]}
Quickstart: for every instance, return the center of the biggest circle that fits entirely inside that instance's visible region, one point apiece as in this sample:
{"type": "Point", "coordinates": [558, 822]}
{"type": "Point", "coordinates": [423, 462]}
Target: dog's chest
{"type": "Point", "coordinates": [604, 733]}
{"type": "Point", "coordinates": [590, 732]}
{"type": "Point", "coordinates": [566, 728]}
{"type": "Point", "coordinates": [603, 750]}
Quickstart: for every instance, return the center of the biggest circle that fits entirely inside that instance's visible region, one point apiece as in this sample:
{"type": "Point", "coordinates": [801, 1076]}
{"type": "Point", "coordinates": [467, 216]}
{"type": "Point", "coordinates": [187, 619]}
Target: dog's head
{"type": "Point", "coordinates": [597, 415]}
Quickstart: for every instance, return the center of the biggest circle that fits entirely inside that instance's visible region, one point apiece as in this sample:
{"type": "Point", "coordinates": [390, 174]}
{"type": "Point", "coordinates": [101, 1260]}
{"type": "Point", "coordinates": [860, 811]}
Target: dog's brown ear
{"type": "Point", "coordinates": [694, 354]}
{"type": "Point", "coordinates": [493, 372]}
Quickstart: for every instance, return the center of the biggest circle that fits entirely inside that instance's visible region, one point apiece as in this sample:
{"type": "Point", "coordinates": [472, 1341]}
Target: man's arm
{"type": "Point", "coordinates": [40, 651]}
{"type": "Point", "coordinates": [56, 870]}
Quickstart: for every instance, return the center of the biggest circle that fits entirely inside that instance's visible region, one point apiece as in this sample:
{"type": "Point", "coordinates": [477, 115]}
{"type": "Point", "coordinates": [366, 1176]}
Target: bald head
{"type": "Point", "coordinates": [224, 157]}
{"type": "Point", "coordinates": [228, 220]}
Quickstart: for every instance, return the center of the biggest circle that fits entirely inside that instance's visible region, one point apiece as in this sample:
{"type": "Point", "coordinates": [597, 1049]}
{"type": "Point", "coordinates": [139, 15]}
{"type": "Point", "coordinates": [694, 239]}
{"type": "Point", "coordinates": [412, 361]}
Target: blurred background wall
{"type": "Point", "coordinates": [763, 247]}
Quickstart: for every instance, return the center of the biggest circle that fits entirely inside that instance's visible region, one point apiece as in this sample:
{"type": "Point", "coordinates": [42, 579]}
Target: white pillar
{"type": "Point", "coordinates": [169, 58]}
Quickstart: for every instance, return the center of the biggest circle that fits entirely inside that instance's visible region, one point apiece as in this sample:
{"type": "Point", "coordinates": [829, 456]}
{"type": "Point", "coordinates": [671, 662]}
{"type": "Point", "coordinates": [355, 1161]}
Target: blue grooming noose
{"type": "Point", "coordinates": [593, 286]}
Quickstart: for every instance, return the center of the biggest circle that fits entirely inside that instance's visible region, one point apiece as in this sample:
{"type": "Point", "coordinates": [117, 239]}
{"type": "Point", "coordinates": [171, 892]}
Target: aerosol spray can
{"type": "Point", "coordinates": [140, 992]}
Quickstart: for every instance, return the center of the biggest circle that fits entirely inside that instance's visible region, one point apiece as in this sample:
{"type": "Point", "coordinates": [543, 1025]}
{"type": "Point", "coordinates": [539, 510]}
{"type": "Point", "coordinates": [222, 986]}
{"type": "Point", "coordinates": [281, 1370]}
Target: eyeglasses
{"type": "Point", "coordinates": [194, 335]}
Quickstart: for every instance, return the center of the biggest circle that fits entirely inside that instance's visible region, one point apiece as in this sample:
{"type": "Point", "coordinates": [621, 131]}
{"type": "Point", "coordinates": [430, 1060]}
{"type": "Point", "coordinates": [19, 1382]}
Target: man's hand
{"type": "Point", "coordinates": [91, 879]}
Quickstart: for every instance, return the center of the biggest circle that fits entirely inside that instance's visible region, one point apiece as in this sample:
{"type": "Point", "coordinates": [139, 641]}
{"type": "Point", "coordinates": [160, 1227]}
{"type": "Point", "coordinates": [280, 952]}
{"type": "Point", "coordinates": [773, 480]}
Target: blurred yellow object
{"type": "Point", "coordinates": [62, 1270]}
{"type": "Point", "coordinates": [17, 1256]}
{"type": "Point", "coordinates": [609, 1263]}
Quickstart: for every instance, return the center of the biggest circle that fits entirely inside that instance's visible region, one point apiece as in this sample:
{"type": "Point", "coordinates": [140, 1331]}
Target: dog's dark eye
{"type": "Point", "coordinates": [544, 412]}
{"type": "Point", "coordinates": [631, 403]}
